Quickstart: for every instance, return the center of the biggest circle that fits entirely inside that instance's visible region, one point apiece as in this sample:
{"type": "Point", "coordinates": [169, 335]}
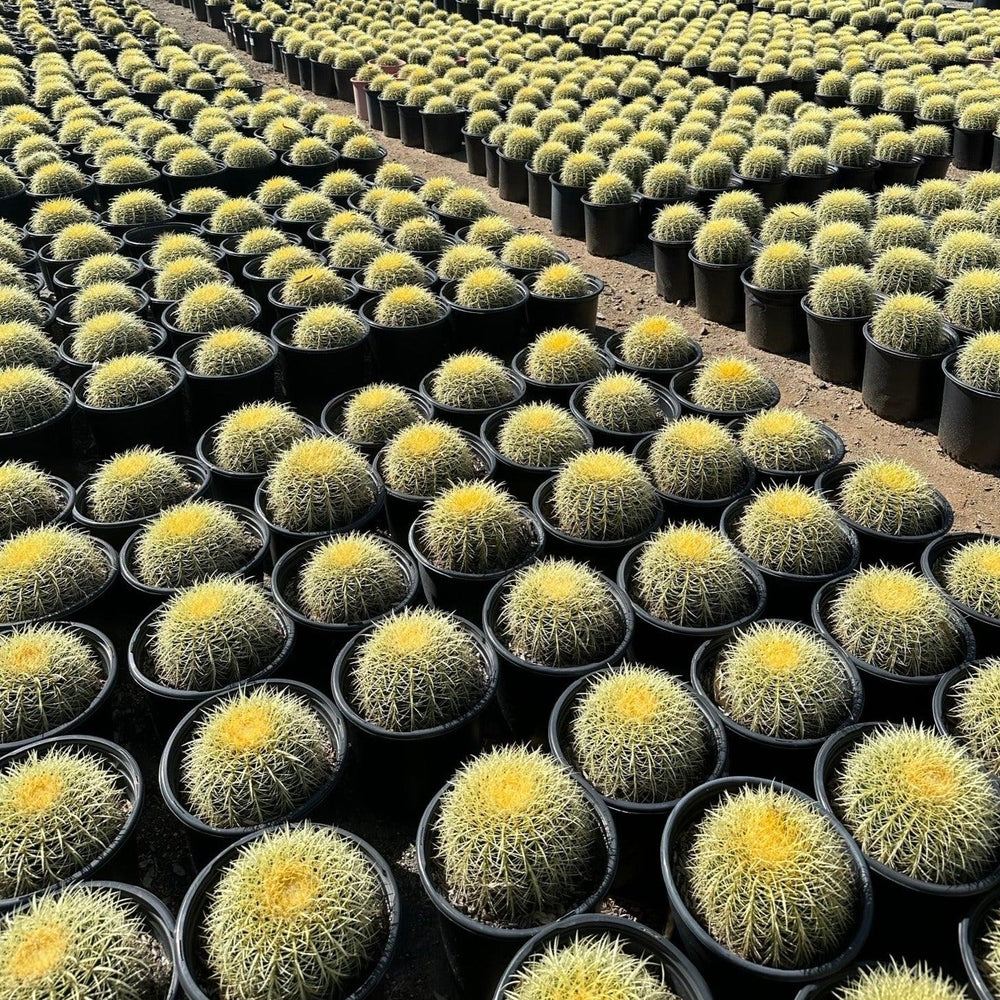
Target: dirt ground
{"type": "Point", "coordinates": [419, 972]}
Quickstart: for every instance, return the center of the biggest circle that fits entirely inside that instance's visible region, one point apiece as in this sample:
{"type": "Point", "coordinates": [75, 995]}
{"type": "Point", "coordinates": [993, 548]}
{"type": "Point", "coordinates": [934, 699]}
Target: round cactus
{"type": "Point", "coordinates": [782, 680]}
{"type": "Point", "coordinates": [622, 402]}
{"type": "Point", "coordinates": [519, 813]}
{"type": "Point", "coordinates": [425, 457]}
{"type": "Point", "coordinates": [782, 266]}
{"type": "Point", "coordinates": [137, 208]}
{"type": "Point", "coordinates": [972, 575]}
{"type": "Point", "coordinates": [978, 362]}
{"type": "Point", "coordinates": [378, 411]}
{"type": "Point", "coordinates": [251, 436]}
{"type": "Point", "coordinates": [730, 383]}
{"type": "Point", "coordinates": [233, 350]}
{"type": "Point", "coordinates": [190, 542]}
{"type": "Point", "coordinates": [785, 440]}
{"type": "Point", "coordinates": [563, 356]}
{"type": "Point", "coordinates": [722, 241]}
{"type": "Point", "coordinates": [770, 878]}
{"type": "Point", "coordinates": [711, 170]}
{"type": "Point", "coordinates": [744, 206]}
{"type": "Point", "coordinates": [420, 235]}
{"type": "Point", "coordinates": [678, 223]}
{"type": "Point", "coordinates": [528, 251]}
{"type": "Point", "coordinates": [973, 301]}
{"type": "Point", "coordinates": [951, 834]}
{"type": "Point", "coordinates": [560, 613]}
{"type": "Point", "coordinates": [540, 435]}
{"type": "Point", "coordinates": [137, 483]}
{"type": "Point", "coordinates": [465, 203]}
{"type": "Point", "coordinates": [79, 240]}
{"type": "Point", "coordinates": [28, 497]}
{"type": "Point", "coordinates": [912, 324]}
{"type": "Point", "coordinates": [311, 286]}
{"type": "Point", "coordinates": [253, 757]}
{"type": "Point", "coordinates": [838, 244]}
{"type": "Point", "coordinates": [488, 288]}
{"type": "Point", "coordinates": [110, 335]}
{"type": "Point", "coordinates": [696, 458]}
{"type": "Point", "coordinates": [966, 251]}
{"type": "Point", "coordinates": [473, 380]}
{"type": "Point", "coordinates": [975, 713]}
{"type": "Point", "coordinates": [791, 529]}
{"type": "Point", "coordinates": [897, 979]}
{"type": "Point", "coordinates": [842, 291]}
{"type": "Point", "coordinates": [904, 270]}
{"type": "Point", "coordinates": [213, 306]}
{"type": "Point", "coordinates": [23, 344]}
{"type": "Point", "coordinates": [301, 907]}
{"type": "Point", "coordinates": [18, 305]}
{"type": "Point", "coordinates": [656, 342]}
{"type": "Point", "coordinates": [127, 380]}
{"type": "Point", "coordinates": [848, 205]}
{"type": "Point", "coordinates": [60, 809]}
{"type": "Point", "coordinates": [889, 496]}
{"type": "Point", "coordinates": [406, 306]}
{"type": "Point", "coordinates": [183, 275]}
{"type": "Point", "coordinates": [174, 246]}
{"type": "Point", "coordinates": [261, 241]}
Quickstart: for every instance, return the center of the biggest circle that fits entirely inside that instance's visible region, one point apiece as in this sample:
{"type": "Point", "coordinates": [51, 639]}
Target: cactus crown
{"type": "Point", "coordinates": [677, 223]}
{"type": "Point", "coordinates": [951, 834]}
{"type": "Point", "coordinates": [103, 267]}
{"type": "Point", "coordinates": [137, 483]}
{"type": "Point", "coordinates": [282, 262]}
{"type": "Point", "coordinates": [839, 243]}
{"type": "Point", "coordinates": [730, 383]}
{"type": "Point", "coordinates": [423, 458]}
{"type": "Point", "coordinates": [253, 757]}
{"type": "Point", "coordinates": [79, 240]}
{"type": "Point", "coordinates": [786, 440]}
{"type": "Point", "coordinates": [770, 878]}
{"type": "Point", "coordinates": [182, 275]}
{"type": "Point", "coordinates": [562, 281]}
{"type": "Point", "coordinates": [376, 412]}
{"type": "Point", "coordinates": [782, 266]}
{"type": "Point", "coordinates": [104, 297]}
{"type": "Point", "coordinates": [261, 241]}
{"type": "Point", "coordinates": [563, 356]}
{"type": "Point", "coordinates": [51, 216]}
{"type": "Point", "coordinates": [896, 979]}
{"type": "Point", "coordinates": [842, 291]}
{"type": "Point", "coordinates": [252, 435]}
{"type": "Point", "coordinates": [889, 496]}
{"type": "Point", "coordinates": [791, 529]}
{"type": "Point", "coordinates": [407, 305]}
{"type": "Point", "coordinates": [519, 812]}
{"type": "Point", "coordinates": [560, 613]}
{"type": "Point", "coordinates": [127, 380]}
{"type": "Point", "coordinates": [978, 362]}
{"type": "Point", "coordinates": [711, 169]}
{"type": "Point", "coordinates": [302, 905]}
{"type": "Point", "coordinates": [784, 681]}
{"type": "Point", "coordinates": [313, 285]}
{"type": "Point", "coordinates": [904, 270]}
{"type": "Point", "coordinates": [909, 323]}
{"type": "Point", "coordinates": [465, 203]}
{"type": "Point", "coordinates": [540, 435]}
{"type": "Point", "coordinates": [392, 268]}
{"type": "Point", "coordinates": [472, 380]}
{"type": "Point", "coordinates": [421, 234]}
{"type": "Point", "coordinates": [722, 241]}
{"type": "Point", "coordinates": [972, 575]}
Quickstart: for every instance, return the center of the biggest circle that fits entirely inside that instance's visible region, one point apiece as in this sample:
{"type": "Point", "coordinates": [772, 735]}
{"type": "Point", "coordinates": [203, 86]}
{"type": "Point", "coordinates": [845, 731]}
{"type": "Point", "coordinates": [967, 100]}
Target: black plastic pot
{"type": "Point", "coordinates": [610, 230]}
{"type": "Point", "coordinates": [786, 760]}
{"type": "Point", "coordinates": [932, 561]}
{"type": "Point", "coordinates": [790, 595]}
{"type": "Point", "coordinates": [680, 386]}
{"type": "Point", "coordinates": [169, 705]}
{"type": "Point", "coordinates": [862, 178]}
{"type": "Point", "coordinates": [669, 410]}
{"type": "Point", "coordinates": [513, 179]}
{"type": "Point", "coordinates": [158, 422]}
{"type": "Point", "coordinates": [196, 978]}
{"type": "Point", "coordinates": [311, 377]}
{"type": "Point", "coordinates": [466, 419]}
{"type": "Point", "coordinates": [323, 84]}
{"type": "Point", "coordinates": [567, 210]}
{"type": "Point", "coordinates": [528, 691]}
{"type": "Point", "coordinates": [639, 825]}
{"type": "Point", "coordinates": [933, 167]}
{"type": "Point", "coordinates": [332, 418]}
{"type": "Point", "coordinates": [972, 149]}
{"type": "Point", "coordinates": [49, 443]}
{"type": "Point", "coordinates": [401, 509]}
{"type": "Point", "coordinates": [206, 840]}
{"type": "Point", "coordinates": [917, 920]}
{"type": "Point", "coordinates": [539, 193]}
{"type": "Point", "coordinates": [728, 974]}
{"type": "Point", "coordinates": [478, 953]}
{"type": "Point", "coordinates": [389, 113]}
{"type": "Point", "coordinates": [971, 932]}
{"type": "Point", "coordinates": [546, 312]}
{"type": "Point", "coordinates": [808, 187]}
{"type": "Point", "coordinates": [836, 346]}
{"type": "Point", "coordinates": [118, 859]}
{"type": "Point", "coordinates": [116, 532]}
{"type": "Point", "coordinates": [718, 294]}
{"type": "Point", "coordinates": [660, 376]}
{"type": "Point", "coordinates": [880, 546]}
{"type": "Point", "coordinates": [674, 271]}
{"type": "Point", "coordinates": [887, 172]}
{"type": "Point", "coordinates": [411, 128]}
{"type": "Point", "coordinates": [771, 191]}
{"type": "Point", "coordinates": [475, 155]}
{"type": "Point", "coordinates": [500, 331]}
{"type": "Point", "coordinates": [406, 354]}
{"type": "Point", "coordinates": [420, 759]}
{"type": "Point", "coordinates": [774, 319]}
{"type": "Point", "coordinates": [898, 386]}
{"type": "Point", "coordinates": [969, 428]}
{"type": "Point", "coordinates": [491, 158]}
{"type": "Point", "coordinates": [443, 132]}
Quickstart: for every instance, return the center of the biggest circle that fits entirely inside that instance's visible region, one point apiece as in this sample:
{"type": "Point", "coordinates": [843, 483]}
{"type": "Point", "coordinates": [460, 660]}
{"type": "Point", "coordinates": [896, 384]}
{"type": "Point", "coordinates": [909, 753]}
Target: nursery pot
{"type": "Point", "coordinates": [404, 354]}
{"type": "Point", "coordinates": [898, 386]}
{"type": "Point", "coordinates": [545, 312]}
{"type": "Point", "coordinates": [972, 149]}
{"type": "Point", "coordinates": [971, 932]}
{"type": "Point", "coordinates": [969, 428]}
{"type": "Point", "coordinates": [567, 210]}
{"type": "Point", "coordinates": [673, 268]}
{"type": "Point", "coordinates": [513, 179]}
{"type": "Point", "coordinates": [789, 761]}
{"type": "Point", "coordinates": [500, 331]}
{"type": "Point", "coordinates": [478, 953]}
{"type": "Point", "coordinates": [491, 159]}
{"type": "Point", "coordinates": [730, 975]}
{"type": "Point", "coordinates": [680, 386]}
{"type": "Point", "coordinates": [418, 759]}
{"type": "Point", "coordinates": [528, 691]}
{"type": "Point", "coordinates": [808, 187]}
{"type": "Point", "coordinates": [862, 178]}
{"type": "Point", "coordinates": [197, 979]}
{"type": "Point", "coordinates": [389, 110]}
{"type": "Point", "coordinates": [49, 443]}
{"type": "Point", "coordinates": [935, 166]}
{"type": "Point", "coordinates": [888, 172]}
{"type": "Point", "coordinates": [468, 419]}
{"type": "Point", "coordinates": [317, 643]}
{"type": "Point", "coordinates": [442, 132]}
{"type": "Point", "coordinates": [411, 128]}
{"type": "Point", "coordinates": [118, 859]}
{"type": "Point", "coordinates": [669, 644]}
{"type": "Point", "coordinates": [639, 825]}
{"type": "Point", "coordinates": [881, 546]}
{"type": "Point", "coordinates": [539, 193]}
{"type": "Point", "coordinates": [775, 321]}
{"type": "Point", "coordinates": [668, 411]}
{"type": "Point", "coordinates": [718, 295]}
{"type": "Point", "coordinates": [169, 704]}
{"type": "Point", "coordinates": [610, 230]}
{"type": "Point", "coordinates": [332, 418]}
{"type": "Point", "coordinates": [475, 155]}
{"type": "Point", "coordinates": [207, 840]}
{"type": "Point", "coordinates": [932, 561]}
{"type": "Point", "coordinates": [311, 377]}
{"type": "Point", "coordinates": [790, 595]}
{"type": "Point", "coordinates": [836, 346]}
{"type": "Point", "coordinates": [917, 920]}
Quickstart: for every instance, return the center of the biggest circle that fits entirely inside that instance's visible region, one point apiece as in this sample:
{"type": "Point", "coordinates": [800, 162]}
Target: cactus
{"type": "Point", "coordinates": [462, 259]}
{"type": "Point", "coordinates": [973, 301]}
{"type": "Point", "coordinates": [79, 240]}
{"type": "Point", "coordinates": [488, 288]}
{"type": "Point", "coordinates": [391, 269]}
{"type": "Point", "coordinates": [677, 223]}
{"type": "Point", "coordinates": [696, 458]}
{"type": "Point", "coordinates": [808, 161]}
{"type": "Point", "coordinates": [967, 251]}
{"type": "Point", "coordinates": [611, 189]}
{"type": "Point", "coordinates": [465, 203]}
{"type": "Point", "coordinates": [770, 879]}
{"type": "Point", "coordinates": [904, 270]}
{"type": "Point", "coordinates": [213, 306]}
{"type": "Point", "coordinates": [937, 195]}
{"type": "Point", "coordinates": [795, 223]}
{"type": "Point", "coordinates": [232, 350]}
{"type": "Point", "coordinates": [275, 192]}
{"type": "Point", "coordinates": [51, 944]}
{"type": "Point", "coordinates": [28, 497]}
{"type": "Point", "coordinates": [912, 324]}
{"type": "Point", "coordinates": [425, 457]}
{"type": "Point", "coordinates": [174, 246]}
{"type": "Point", "coordinates": [300, 910]}
{"type": "Point", "coordinates": [397, 207]}
{"type": "Point", "coordinates": [52, 216]}
{"type": "Point", "coordinates": [711, 170]}
{"type": "Point", "coordinates": [56, 179]}
{"type": "Point", "coordinates": [251, 436]}
{"type": "Point", "coordinates": [20, 306]}
{"type": "Point", "coordinates": [282, 262]}
{"type": "Point", "coordinates": [471, 381]}
{"type": "Point", "coordinates": [764, 163]}
{"type": "Point", "coordinates": [782, 680]}
{"type": "Point", "coordinates": [580, 170]}
{"type": "Point", "coordinates": [528, 251]}
{"type": "Point", "coordinates": [60, 809]}
{"type": "Point", "coordinates": [423, 234]}
{"type": "Point", "coordinates": [895, 199]}
{"type": "Point", "coordinates": [838, 244]}
{"type": "Point", "coordinates": [236, 216]}
{"type": "Point", "coordinates": [549, 157]}
{"type": "Point", "coordinates": [977, 363]}
{"type": "Point", "coordinates": [192, 163]}
{"type": "Point", "coordinates": [103, 267]}
{"type": "Point", "coordinates": [376, 412]}
{"type": "Point", "coordinates": [247, 154]}
{"type": "Point", "coordinates": [562, 281]}
{"type": "Point", "coordinates": [972, 575]}
{"type": "Point", "coordinates": [974, 713]}
{"type": "Point", "coordinates": [894, 147]}
{"type": "Point", "coordinates": [127, 380]}
{"type": "Point", "coordinates": [104, 297]}
{"type": "Point", "coordinates": [782, 266]}
{"type": "Point", "coordinates": [253, 757]}
{"type": "Point", "coordinates": [980, 189]}
{"type": "Point", "coordinates": [137, 483]}
{"type": "Point", "coordinates": [407, 306]}
{"type": "Point", "coordinates": [341, 184]}
{"type": "Point", "coordinates": [353, 577]}
{"type": "Point", "coordinates": [791, 529]}
{"type": "Point", "coordinates": [24, 344]}
{"type": "Point", "coordinates": [847, 205]}
{"type": "Point", "coordinates": [521, 143]}
{"type": "Point", "coordinates": [842, 292]}
{"type": "Point", "coordinates": [310, 151]}
{"type": "Point", "coordinates": [850, 148]}
{"type": "Point", "coordinates": [896, 979]}
{"type": "Point", "coordinates": [309, 206]}
{"type": "Point", "coordinates": [744, 206]}
{"type": "Point", "coordinates": [783, 439]}
{"type": "Point", "coordinates": [622, 402]}
{"type": "Point", "coordinates": [722, 241]}
{"type": "Point", "coordinates": [730, 383]}
{"type": "Point", "coordinates": [594, 966]}
{"type": "Point", "coordinates": [183, 275]}
{"type": "Point", "coordinates": [656, 342]}
{"type": "Point", "coordinates": [950, 803]}
{"type": "Point", "coordinates": [189, 543]}
{"type": "Point", "coordinates": [516, 838]}
{"type": "Point", "coordinates": [889, 496]}
{"type": "Point", "coordinates": [931, 140]}
{"type": "Point", "coordinates": [308, 287]}
{"type": "Point", "coordinates": [212, 634]}
{"type": "Point", "coordinates": [48, 676]}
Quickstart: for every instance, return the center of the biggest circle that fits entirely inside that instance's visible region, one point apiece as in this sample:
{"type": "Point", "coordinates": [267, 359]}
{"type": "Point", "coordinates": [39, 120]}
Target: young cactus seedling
{"type": "Point", "coordinates": [473, 380]}
{"type": "Point", "coordinates": [972, 575]}
{"type": "Point", "coordinates": [951, 834]}
{"type": "Point", "coordinates": [28, 497]}
{"type": "Point", "coordinates": [976, 713]}
{"type": "Point", "coordinates": [250, 437]}
{"type": "Point", "coordinates": [770, 879]}
{"type": "Point", "coordinates": [137, 483]}
{"type": "Point", "coordinates": [560, 613]}
{"type": "Point", "coordinates": [785, 440]}
{"type": "Point", "coordinates": [540, 435]}
{"type": "Point", "coordinates": [637, 734]}
{"type": "Point", "coordinates": [60, 808]}
{"type": "Point", "coordinates": [253, 757]}
{"type": "Point", "coordinates": [889, 496]}
{"type": "Point", "coordinates": [517, 838]}
{"type": "Point", "coordinates": [782, 680]}
{"type": "Point", "coordinates": [301, 906]}
{"type": "Point", "coordinates": [427, 456]}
